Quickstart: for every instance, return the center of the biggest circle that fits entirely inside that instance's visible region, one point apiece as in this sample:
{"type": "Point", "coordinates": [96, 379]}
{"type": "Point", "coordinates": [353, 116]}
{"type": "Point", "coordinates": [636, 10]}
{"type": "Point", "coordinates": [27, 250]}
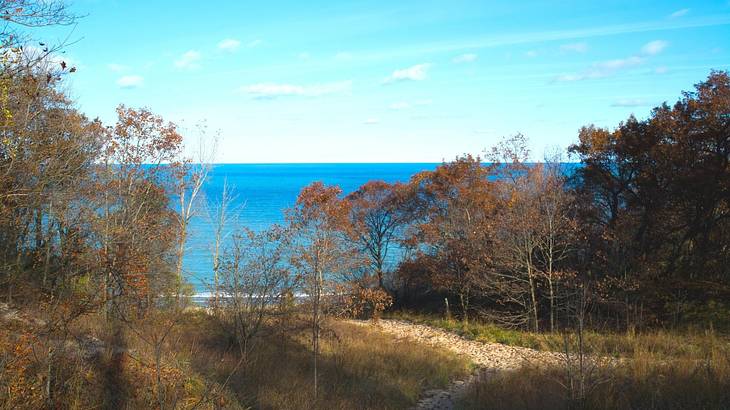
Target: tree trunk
{"type": "Point", "coordinates": [315, 327]}
{"type": "Point", "coordinates": [49, 379]}
{"type": "Point", "coordinates": [158, 370]}
{"type": "Point", "coordinates": [552, 303]}
{"type": "Point", "coordinates": [533, 298]}
{"type": "Point", "coordinates": [47, 263]}
{"type": "Point", "coordinates": [464, 301]}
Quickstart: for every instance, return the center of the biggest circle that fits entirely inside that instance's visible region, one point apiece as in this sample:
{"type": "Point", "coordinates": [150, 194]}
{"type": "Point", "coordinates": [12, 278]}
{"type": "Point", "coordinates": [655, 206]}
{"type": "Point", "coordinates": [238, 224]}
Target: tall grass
{"type": "Point", "coordinates": [105, 364]}
{"type": "Point", "coordinates": [660, 343]}
{"type": "Point", "coordinates": [638, 383]}
{"type": "Point", "coordinates": [359, 369]}
{"type": "Point", "coordinates": [649, 375]}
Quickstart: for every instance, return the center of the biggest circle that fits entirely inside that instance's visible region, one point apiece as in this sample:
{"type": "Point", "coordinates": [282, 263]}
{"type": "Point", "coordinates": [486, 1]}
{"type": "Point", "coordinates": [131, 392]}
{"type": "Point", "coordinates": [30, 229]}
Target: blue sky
{"type": "Point", "coordinates": [405, 81]}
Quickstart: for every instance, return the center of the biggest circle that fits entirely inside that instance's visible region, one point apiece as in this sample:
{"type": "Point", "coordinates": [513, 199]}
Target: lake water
{"type": "Point", "coordinates": [262, 193]}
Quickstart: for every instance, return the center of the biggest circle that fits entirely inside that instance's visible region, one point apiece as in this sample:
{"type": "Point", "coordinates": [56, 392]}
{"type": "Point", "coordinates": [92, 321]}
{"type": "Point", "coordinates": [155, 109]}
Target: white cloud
{"type": "Point", "coordinates": [619, 63]}
{"type": "Point", "coordinates": [609, 67]}
{"type": "Point", "coordinates": [654, 47]}
{"type": "Point", "coordinates": [563, 78]}
{"type": "Point", "coordinates": [531, 53]}
{"type": "Point", "coordinates": [427, 101]}
{"type": "Point", "coordinates": [130, 81]}
{"type": "Point", "coordinates": [304, 56]}
{"type": "Point", "coordinates": [679, 13]}
{"type": "Point", "coordinates": [273, 90]}
{"type": "Point", "coordinates": [189, 60]}
{"type": "Point", "coordinates": [574, 47]}
{"type": "Point", "coordinates": [47, 61]}
{"type": "Point", "coordinates": [465, 58]}
{"type": "Point", "coordinates": [629, 102]}
{"type": "Point", "coordinates": [371, 121]}
{"type": "Point", "coordinates": [254, 43]}
{"type": "Point", "coordinates": [499, 39]}
{"type": "Point", "coordinates": [117, 67]}
{"type": "Point", "coordinates": [229, 44]}
{"type": "Point", "coordinates": [401, 105]}
{"type": "Point", "coordinates": [602, 69]}
{"type": "Point", "coordinates": [417, 72]}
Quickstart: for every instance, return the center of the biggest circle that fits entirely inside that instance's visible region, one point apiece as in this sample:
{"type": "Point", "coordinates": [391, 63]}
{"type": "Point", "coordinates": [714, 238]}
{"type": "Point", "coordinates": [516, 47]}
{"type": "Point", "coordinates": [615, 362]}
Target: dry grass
{"type": "Point", "coordinates": [659, 343]}
{"type": "Point", "coordinates": [658, 369]}
{"type": "Point", "coordinates": [359, 369]}
{"type": "Point", "coordinates": [109, 364]}
{"type": "Point", "coordinates": [645, 378]}
{"type": "Point", "coordinates": [633, 385]}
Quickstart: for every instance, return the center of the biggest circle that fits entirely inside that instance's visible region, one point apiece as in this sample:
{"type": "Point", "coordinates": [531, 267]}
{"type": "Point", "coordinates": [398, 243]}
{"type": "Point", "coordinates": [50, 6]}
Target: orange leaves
{"type": "Point", "coordinates": [21, 389]}
{"type": "Point", "coordinates": [141, 137]}
{"type": "Point", "coordinates": [358, 301]}
{"type": "Point", "coordinates": [322, 205]}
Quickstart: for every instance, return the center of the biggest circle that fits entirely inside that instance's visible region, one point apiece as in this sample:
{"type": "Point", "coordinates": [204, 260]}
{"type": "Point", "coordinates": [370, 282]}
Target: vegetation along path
{"type": "Point", "coordinates": [489, 358]}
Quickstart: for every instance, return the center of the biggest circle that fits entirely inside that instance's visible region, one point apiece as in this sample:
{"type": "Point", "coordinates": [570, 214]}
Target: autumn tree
{"type": "Point", "coordinates": [515, 283]}
{"type": "Point", "coordinates": [454, 225]}
{"type": "Point", "coordinates": [48, 152]}
{"type": "Point", "coordinates": [321, 250]}
{"type": "Point", "coordinates": [136, 223]}
{"type": "Point", "coordinates": [376, 217]}
{"type": "Point", "coordinates": [558, 233]}
{"type": "Point", "coordinates": [17, 52]}
{"type": "Point", "coordinates": [535, 237]}
{"type": "Point", "coordinates": [654, 200]}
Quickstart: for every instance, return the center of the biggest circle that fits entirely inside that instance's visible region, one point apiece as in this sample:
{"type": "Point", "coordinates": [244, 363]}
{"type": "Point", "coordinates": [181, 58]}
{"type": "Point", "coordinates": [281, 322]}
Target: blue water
{"type": "Point", "coordinates": [262, 193]}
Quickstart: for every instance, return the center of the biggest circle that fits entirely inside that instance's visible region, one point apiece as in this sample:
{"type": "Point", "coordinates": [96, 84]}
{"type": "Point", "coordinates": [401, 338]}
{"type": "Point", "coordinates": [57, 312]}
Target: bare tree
{"type": "Point", "coordinates": [18, 53]}
{"type": "Point", "coordinates": [221, 213]}
{"type": "Point", "coordinates": [254, 276]}
{"type": "Point", "coordinates": [557, 230]}
{"type": "Point", "coordinates": [191, 178]}
{"type": "Point", "coordinates": [515, 281]}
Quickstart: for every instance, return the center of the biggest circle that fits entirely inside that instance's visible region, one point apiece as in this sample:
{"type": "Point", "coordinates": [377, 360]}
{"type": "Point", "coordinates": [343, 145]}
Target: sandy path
{"type": "Point", "coordinates": [489, 358]}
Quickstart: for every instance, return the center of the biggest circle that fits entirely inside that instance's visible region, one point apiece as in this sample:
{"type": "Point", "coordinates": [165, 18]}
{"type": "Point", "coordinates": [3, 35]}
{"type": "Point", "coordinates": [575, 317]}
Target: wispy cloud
{"type": "Point", "coordinates": [654, 47]}
{"type": "Point", "coordinates": [566, 78]}
{"type": "Point", "coordinates": [418, 72]}
{"type": "Point", "coordinates": [130, 81]}
{"type": "Point", "coordinates": [254, 43]}
{"type": "Point", "coordinates": [189, 60]}
{"type": "Point", "coordinates": [400, 105]}
{"type": "Point", "coordinates": [530, 37]}
{"type": "Point", "coordinates": [532, 53]}
{"type": "Point", "coordinates": [602, 69]}
{"type": "Point", "coordinates": [619, 63]}
{"type": "Point", "coordinates": [581, 47]}
{"type": "Point", "coordinates": [229, 44]}
{"type": "Point", "coordinates": [274, 90]}
{"type": "Point", "coordinates": [629, 102]}
{"type": "Point", "coordinates": [117, 68]}
{"type": "Point", "coordinates": [371, 121]}
{"type": "Point", "coordinates": [679, 13]}
{"type": "Point", "coordinates": [465, 58]}
{"type": "Point", "coordinates": [609, 67]}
